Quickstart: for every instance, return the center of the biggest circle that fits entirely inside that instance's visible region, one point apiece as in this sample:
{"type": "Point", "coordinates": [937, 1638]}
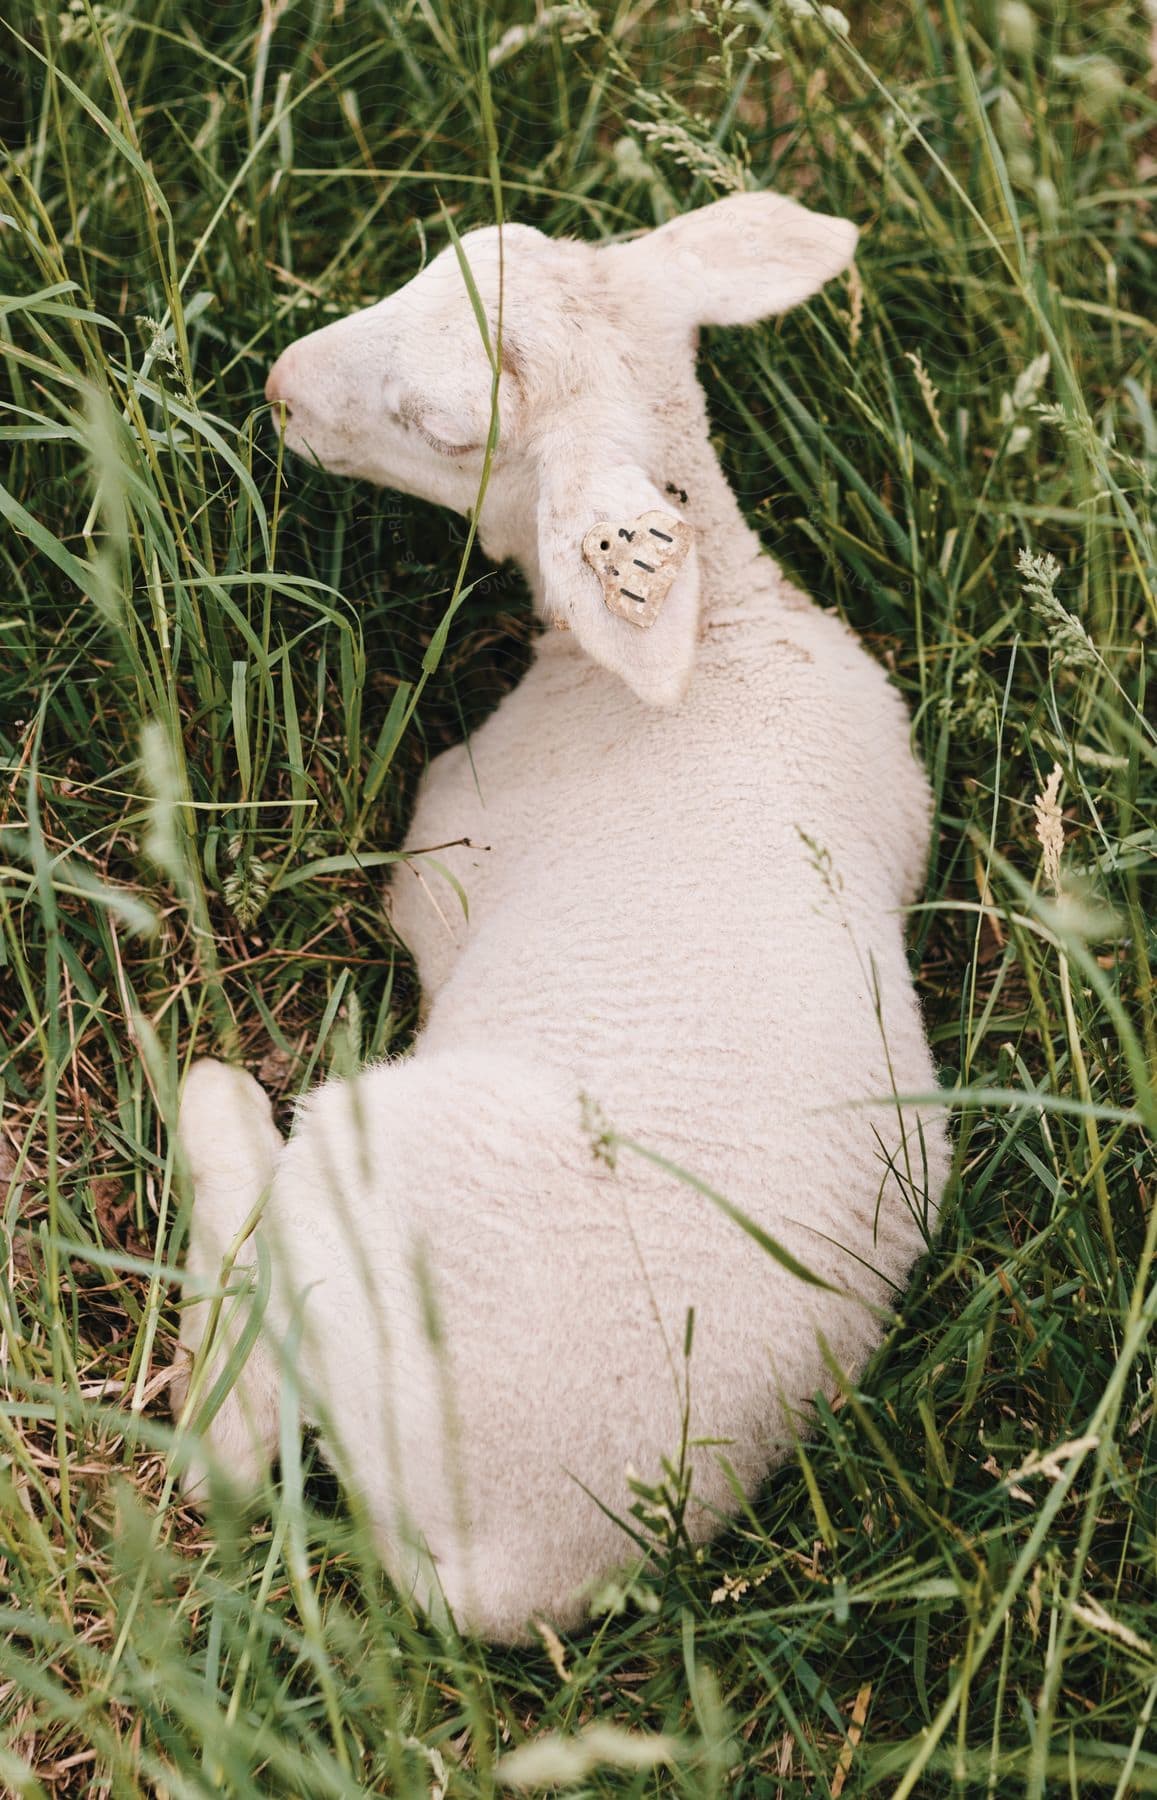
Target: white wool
{"type": "Point", "coordinates": [689, 853]}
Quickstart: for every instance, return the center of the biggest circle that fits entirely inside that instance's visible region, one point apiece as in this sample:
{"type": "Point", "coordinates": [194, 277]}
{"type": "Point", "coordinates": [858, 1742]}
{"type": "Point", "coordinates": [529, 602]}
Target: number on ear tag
{"type": "Point", "coordinates": [637, 560]}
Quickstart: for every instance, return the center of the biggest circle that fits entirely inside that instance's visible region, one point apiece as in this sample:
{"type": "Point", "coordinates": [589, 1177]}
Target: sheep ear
{"type": "Point", "coordinates": [646, 542]}
{"type": "Point", "coordinates": [740, 259]}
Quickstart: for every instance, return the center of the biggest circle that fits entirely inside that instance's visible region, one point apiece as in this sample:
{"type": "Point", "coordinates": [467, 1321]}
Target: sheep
{"type": "Point", "coordinates": [687, 845]}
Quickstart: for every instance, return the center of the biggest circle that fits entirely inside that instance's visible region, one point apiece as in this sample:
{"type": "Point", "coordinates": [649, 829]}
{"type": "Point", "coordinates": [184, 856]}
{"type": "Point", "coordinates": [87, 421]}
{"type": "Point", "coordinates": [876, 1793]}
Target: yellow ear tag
{"type": "Point", "coordinates": [637, 560]}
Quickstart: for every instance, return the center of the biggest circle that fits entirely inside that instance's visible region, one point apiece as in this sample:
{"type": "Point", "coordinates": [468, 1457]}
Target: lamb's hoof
{"type": "Point", "coordinates": [224, 1461]}
{"type": "Point", "coordinates": [203, 1481]}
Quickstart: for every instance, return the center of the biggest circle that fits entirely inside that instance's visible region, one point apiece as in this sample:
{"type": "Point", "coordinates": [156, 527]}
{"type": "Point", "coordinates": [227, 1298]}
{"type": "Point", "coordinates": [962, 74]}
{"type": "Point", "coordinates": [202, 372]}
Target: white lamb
{"type": "Point", "coordinates": [690, 847]}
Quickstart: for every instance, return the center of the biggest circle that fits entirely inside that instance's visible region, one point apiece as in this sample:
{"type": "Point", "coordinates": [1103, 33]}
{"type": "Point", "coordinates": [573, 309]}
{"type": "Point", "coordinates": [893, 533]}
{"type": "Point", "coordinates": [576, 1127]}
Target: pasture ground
{"type": "Point", "coordinates": [219, 680]}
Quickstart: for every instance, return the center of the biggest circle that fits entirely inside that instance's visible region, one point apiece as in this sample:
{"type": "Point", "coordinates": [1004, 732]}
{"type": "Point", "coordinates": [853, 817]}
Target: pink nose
{"type": "Point", "coordinates": [277, 386]}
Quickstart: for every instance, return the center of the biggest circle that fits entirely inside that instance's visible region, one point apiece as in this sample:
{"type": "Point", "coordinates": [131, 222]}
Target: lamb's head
{"type": "Point", "coordinates": [590, 357]}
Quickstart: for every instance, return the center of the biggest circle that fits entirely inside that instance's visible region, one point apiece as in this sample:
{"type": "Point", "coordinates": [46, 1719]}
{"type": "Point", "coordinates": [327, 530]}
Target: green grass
{"type": "Point", "coordinates": [204, 664]}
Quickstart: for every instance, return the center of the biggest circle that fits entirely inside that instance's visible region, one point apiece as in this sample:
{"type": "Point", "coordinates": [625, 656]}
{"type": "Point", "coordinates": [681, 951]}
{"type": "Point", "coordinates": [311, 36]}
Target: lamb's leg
{"type": "Point", "coordinates": [230, 1146]}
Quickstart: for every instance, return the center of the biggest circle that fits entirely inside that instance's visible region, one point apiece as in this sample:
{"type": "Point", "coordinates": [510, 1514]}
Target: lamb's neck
{"type": "Point", "coordinates": [733, 566]}
{"type": "Point", "coordinates": [734, 569]}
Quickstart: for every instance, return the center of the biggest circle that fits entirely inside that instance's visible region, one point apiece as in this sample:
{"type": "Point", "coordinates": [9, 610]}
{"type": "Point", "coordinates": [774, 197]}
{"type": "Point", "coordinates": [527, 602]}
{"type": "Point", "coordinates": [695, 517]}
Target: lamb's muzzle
{"type": "Point", "coordinates": [279, 385]}
{"type": "Point", "coordinates": [687, 920]}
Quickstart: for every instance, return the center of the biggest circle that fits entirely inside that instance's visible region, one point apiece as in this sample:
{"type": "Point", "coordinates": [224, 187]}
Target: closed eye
{"type": "Point", "coordinates": [412, 415]}
{"type": "Point", "coordinates": [440, 444]}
